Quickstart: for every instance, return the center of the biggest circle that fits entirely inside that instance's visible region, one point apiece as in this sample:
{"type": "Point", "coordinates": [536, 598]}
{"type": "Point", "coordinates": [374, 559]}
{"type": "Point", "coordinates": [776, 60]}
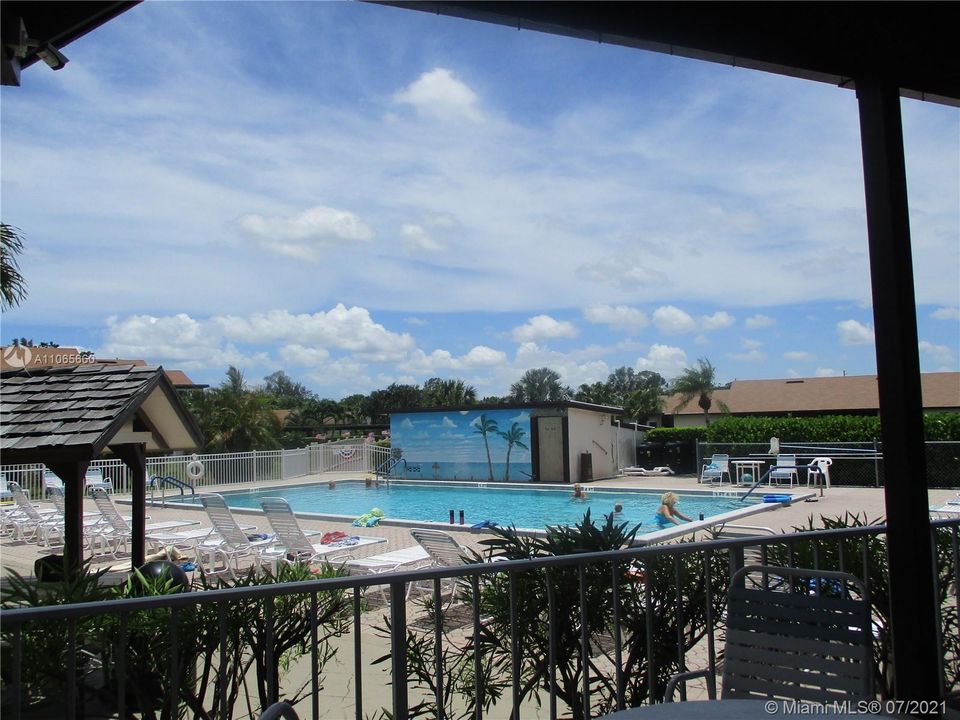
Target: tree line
{"type": "Point", "coordinates": [237, 416]}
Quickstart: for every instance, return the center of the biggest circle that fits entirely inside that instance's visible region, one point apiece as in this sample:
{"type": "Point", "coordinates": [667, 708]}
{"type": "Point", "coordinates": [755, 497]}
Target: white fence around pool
{"type": "Point", "coordinates": [226, 468]}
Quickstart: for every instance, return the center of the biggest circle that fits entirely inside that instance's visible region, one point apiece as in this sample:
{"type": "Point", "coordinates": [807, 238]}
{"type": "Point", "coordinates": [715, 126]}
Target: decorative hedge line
{"type": "Point", "coordinates": [824, 428]}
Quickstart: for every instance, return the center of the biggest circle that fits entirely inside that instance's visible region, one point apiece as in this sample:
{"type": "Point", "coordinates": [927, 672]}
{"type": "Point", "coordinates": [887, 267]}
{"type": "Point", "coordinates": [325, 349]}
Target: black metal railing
{"type": "Point", "coordinates": [581, 634]}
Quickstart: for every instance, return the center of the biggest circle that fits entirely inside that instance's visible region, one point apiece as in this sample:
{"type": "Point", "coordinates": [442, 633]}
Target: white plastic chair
{"type": "Point", "coordinates": [715, 469]}
{"type": "Point", "coordinates": [785, 470]}
{"type": "Point", "coordinates": [819, 469]}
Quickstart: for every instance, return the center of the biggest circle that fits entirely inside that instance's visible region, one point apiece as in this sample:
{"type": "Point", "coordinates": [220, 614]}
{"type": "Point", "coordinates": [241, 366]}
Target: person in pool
{"type": "Point", "coordinates": [668, 513]}
{"type": "Point", "coordinates": [578, 492]}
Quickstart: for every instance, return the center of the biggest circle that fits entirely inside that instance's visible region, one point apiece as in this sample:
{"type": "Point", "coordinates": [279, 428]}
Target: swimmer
{"type": "Point", "coordinates": [578, 492]}
{"type": "Point", "coordinates": [668, 513]}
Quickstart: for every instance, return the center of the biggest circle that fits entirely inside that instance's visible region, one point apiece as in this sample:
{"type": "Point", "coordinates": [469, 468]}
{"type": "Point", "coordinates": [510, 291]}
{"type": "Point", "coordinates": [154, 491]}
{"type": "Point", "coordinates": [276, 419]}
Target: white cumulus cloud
{"type": "Point", "coordinates": [798, 355]}
{"type": "Point", "coordinates": [667, 360]}
{"type": "Point", "coordinates": [620, 317]}
{"type": "Point", "coordinates": [717, 321]}
{"type": "Point", "coordinates": [543, 327]}
{"type": "Point", "coordinates": [946, 313]}
{"type": "Point", "coordinates": [416, 238]}
{"type": "Point", "coordinates": [854, 333]}
{"type": "Point", "coordinates": [440, 94]}
{"type": "Point", "coordinates": [673, 321]}
{"type": "Point", "coordinates": [305, 235]}
{"type": "Point", "coordinates": [616, 273]}
{"type": "Point", "coordinates": [758, 321]}
{"type": "Point", "coordinates": [937, 353]}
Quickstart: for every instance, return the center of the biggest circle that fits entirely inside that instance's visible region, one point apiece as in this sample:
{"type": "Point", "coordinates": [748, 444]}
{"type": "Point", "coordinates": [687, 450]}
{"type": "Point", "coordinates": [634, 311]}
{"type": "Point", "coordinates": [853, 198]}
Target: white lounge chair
{"type": "Point", "coordinates": [114, 530]}
{"type": "Point", "coordinates": [51, 481]}
{"type": "Point", "coordinates": [292, 542]}
{"type": "Point", "coordinates": [405, 559]}
{"type": "Point", "coordinates": [30, 523]}
{"type": "Point", "coordinates": [444, 551]}
{"type": "Point", "coordinates": [715, 469]}
{"type": "Point", "coordinates": [231, 543]}
{"type": "Point", "coordinates": [95, 480]}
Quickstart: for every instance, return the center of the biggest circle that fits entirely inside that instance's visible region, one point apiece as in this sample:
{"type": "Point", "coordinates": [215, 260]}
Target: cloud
{"type": "Point", "coordinates": [758, 321]}
{"type": "Point", "coordinates": [717, 321]}
{"type": "Point", "coordinates": [620, 317]}
{"type": "Point", "coordinates": [664, 359]}
{"type": "Point", "coordinates": [619, 274]}
{"type": "Point", "coordinates": [440, 94]}
{"type": "Point", "coordinates": [543, 327]}
{"type": "Point", "coordinates": [854, 333]}
{"type": "Point", "coordinates": [298, 355]}
{"type": "Point", "coordinates": [415, 321]}
{"type": "Point", "coordinates": [673, 321]}
{"type": "Point", "coordinates": [425, 364]}
{"type": "Point", "coordinates": [750, 356]}
{"type": "Point", "coordinates": [946, 313]}
{"type": "Point", "coordinates": [940, 354]}
{"type": "Point", "coordinates": [751, 344]}
{"type": "Point", "coordinates": [416, 238]}
{"type": "Point", "coordinates": [798, 355]}
{"type": "Point", "coordinates": [826, 372]}
{"type": "Point", "coordinates": [305, 235]}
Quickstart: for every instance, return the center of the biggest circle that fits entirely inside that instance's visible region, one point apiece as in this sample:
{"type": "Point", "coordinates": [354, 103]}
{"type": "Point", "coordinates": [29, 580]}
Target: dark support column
{"type": "Point", "coordinates": [909, 547]}
{"type": "Point", "coordinates": [72, 473]}
{"type": "Point", "coordinates": [134, 455]}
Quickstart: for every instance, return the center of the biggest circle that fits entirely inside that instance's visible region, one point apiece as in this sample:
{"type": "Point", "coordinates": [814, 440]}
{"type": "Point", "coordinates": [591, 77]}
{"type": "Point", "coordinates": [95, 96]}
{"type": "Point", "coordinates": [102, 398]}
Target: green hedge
{"type": "Point", "coordinates": [825, 428]}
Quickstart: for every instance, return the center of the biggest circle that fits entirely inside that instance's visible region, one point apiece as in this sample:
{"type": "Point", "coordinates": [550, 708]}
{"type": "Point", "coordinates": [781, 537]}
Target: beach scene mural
{"type": "Point", "coordinates": [482, 445]}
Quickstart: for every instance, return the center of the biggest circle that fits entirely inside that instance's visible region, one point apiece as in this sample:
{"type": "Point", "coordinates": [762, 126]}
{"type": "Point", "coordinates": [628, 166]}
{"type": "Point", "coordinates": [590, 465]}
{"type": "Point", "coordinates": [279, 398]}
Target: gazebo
{"type": "Point", "coordinates": [66, 417]}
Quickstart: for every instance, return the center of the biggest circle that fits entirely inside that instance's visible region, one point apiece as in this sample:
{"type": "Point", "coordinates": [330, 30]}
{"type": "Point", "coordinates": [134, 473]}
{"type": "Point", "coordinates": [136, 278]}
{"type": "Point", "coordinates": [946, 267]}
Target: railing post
{"type": "Point", "coordinates": [398, 648]}
{"type": "Point", "coordinates": [254, 456]}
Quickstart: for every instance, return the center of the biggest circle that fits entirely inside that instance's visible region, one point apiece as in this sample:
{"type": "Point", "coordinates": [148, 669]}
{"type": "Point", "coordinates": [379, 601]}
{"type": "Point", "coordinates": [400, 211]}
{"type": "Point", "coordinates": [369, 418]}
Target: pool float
{"type": "Point", "coordinates": [777, 498]}
{"type": "Point", "coordinates": [483, 525]}
{"type": "Point", "coordinates": [369, 519]}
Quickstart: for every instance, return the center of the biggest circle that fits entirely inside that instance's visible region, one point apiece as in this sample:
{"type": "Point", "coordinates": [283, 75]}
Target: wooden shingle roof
{"type": "Point", "coordinates": [81, 409]}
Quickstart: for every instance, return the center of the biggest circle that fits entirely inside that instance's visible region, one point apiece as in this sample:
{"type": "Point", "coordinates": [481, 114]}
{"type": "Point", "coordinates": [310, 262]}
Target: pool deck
{"type": "Point", "coordinates": [836, 501]}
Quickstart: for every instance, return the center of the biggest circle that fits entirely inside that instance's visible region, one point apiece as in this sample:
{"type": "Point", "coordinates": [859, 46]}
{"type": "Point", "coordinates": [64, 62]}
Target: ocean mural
{"type": "Point", "coordinates": [483, 445]}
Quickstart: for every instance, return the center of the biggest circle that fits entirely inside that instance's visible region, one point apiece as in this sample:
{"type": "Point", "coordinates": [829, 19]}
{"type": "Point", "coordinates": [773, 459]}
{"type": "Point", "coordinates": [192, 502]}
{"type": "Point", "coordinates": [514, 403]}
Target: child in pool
{"type": "Point", "coordinates": [668, 513]}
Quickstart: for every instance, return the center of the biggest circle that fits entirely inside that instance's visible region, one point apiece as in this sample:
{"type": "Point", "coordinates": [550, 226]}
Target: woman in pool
{"type": "Point", "coordinates": [578, 492]}
{"type": "Point", "coordinates": [668, 512]}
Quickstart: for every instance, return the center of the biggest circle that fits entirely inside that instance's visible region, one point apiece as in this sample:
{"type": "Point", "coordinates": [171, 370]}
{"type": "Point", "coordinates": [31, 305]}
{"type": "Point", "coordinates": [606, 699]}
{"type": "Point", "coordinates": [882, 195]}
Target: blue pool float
{"type": "Point", "coordinates": [484, 525]}
{"type": "Point", "coordinates": [777, 498]}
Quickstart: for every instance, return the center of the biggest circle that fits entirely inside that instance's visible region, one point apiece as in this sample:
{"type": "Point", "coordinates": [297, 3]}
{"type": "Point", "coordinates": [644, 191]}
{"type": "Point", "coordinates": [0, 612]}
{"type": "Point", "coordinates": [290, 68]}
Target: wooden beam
{"type": "Point", "coordinates": [73, 475]}
{"type": "Point", "coordinates": [134, 456]}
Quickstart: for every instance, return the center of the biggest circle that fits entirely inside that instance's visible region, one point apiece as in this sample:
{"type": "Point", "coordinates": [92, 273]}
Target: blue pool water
{"type": "Point", "coordinates": [523, 507]}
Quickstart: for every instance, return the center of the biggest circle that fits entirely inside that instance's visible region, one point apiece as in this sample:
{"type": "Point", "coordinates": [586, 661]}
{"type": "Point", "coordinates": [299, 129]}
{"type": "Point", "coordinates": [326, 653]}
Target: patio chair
{"type": "Point", "coordinates": [292, 542]}
{"type": "Point", "coordinates": [819, 470]}
{"type": "Point", "coordinates": [715, 469]}
{"type": "Point", "coordinates": [114, 529]}
{"type": "Point", "coordinates": [405, 559]}
{"type": "Point", "coordinates": [5, 494]}
{"type": "Point", "coordinates": [808, 640]}
{"type": "Point", "coordinates": [29, 523]}
{"type": "Point", "coordinates": [444, 551]}
{"type": "Point", "coordinates": [231, 543]}
{"type": "Point", "coordinates": [785, 470]}
{"type": "Point", "coordinates": [95, 480]}
{"type": "Point", "coordinates": [51, 481]}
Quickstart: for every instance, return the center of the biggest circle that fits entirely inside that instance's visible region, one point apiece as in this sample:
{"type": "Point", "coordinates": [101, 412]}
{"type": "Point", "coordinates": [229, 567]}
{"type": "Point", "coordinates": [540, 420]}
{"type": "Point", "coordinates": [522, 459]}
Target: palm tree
{"type": "Point", "coordinates": [484, 427]}
{"type": "Point", "coordinates": [13, 288]}
{"type": "Point", "coordinates": [699, 382]}
{"type": "Point", "coordinates": [513, 436]}
{"type": "Point", "coordinates": [438, 392]}
{"type": "Point", "coordinates": [539, 385]}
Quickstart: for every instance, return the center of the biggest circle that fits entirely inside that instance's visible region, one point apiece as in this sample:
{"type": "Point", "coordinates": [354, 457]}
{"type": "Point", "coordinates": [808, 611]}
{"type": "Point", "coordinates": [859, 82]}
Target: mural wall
{"type": "Point", "coordinates": [481, 445]}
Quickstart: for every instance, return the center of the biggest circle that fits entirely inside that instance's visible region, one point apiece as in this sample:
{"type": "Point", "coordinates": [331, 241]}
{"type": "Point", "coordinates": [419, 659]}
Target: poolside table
{"type": "Point", "coordinates": [754, 466]}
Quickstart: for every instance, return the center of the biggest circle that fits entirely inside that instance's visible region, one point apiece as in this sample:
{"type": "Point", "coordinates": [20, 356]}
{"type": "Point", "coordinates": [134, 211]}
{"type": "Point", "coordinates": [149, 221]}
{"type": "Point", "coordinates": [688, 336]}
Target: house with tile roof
{"type": "Point", "coordinates": [800, 397]}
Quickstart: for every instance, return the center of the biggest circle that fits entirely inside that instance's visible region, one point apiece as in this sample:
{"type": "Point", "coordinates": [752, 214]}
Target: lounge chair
{"type": "Point", "coordinates": [785, 470]}
{"type": "Point", "coordinates": [114, 530]}
{"type": "Point", "coordinates": [231, 543]}
{"type": "Point", "coordinates": [5, 494]}
{"type": "Point", "coordinates": [405, 559]}
{"type": "Point", "coordinates": [51, 481]}
{"type": "Point", "coordinates": [29, 523]}
{"type": "Point", "coordinates": [95, 480]}
{"type": "Point", "coordinates": [715, 469]}
{"type": "Point", "coordinates": [444, 551]}
{"type": "Point", "coordinates": [292, 542]}
{"type": "Point", "coordinates": [808, 640]}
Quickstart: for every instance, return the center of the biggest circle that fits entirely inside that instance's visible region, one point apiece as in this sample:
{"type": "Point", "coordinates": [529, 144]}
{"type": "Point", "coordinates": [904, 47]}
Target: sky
{"type": "Point", "coordinates": [360, 195]}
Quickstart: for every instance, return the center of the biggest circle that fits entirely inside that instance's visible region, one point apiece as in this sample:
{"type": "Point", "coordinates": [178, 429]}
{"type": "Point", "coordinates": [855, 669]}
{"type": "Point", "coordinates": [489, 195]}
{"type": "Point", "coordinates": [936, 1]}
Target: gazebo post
{"type": "Point", "coordinates": [134, 455]}
{"type": "Point", "coordinates": [73, 476]}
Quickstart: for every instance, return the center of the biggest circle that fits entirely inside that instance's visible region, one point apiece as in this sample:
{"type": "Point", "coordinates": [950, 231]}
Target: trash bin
{"type": "Point", "coordinates": [586, 467]}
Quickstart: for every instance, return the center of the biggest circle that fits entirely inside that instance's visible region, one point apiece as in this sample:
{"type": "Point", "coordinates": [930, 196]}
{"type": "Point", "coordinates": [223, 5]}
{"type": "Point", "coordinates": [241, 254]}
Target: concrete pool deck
{"type": "Point", "coordinates": [836, 501]}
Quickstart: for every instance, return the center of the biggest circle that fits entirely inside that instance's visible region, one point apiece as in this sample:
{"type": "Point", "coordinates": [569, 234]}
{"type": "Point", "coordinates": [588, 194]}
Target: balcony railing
{"type": "Point", "coordinates": [577, 634]}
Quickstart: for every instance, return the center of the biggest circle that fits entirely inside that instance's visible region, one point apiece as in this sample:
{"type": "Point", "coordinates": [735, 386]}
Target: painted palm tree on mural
{"type": "Point", "coordinates": [513, 436]}
{"type": "Point", "coordinates": [486, 426]}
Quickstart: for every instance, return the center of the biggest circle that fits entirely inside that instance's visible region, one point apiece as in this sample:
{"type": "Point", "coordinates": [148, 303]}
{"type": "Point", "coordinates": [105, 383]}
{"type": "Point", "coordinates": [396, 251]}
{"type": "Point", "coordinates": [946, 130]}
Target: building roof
{"type": "Point", "coordinates": [941, 391]}
{"type": "Point", "coordinates": [15, 358]}
{"type": "Point", "coordinates": [82, 409]}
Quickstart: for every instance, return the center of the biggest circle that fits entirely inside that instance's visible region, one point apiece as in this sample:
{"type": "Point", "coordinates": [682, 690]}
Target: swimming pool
{"type": "Point", "coordinates": [525, 507]}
